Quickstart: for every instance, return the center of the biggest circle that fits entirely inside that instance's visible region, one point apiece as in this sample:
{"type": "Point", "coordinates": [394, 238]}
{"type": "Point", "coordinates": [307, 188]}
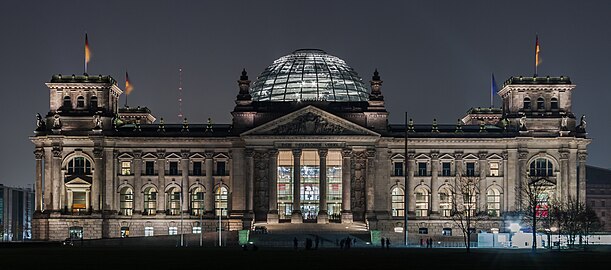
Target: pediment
{"type": "Point", "coordinates": [422, 157]}
{"type": "Point", "coordinates": [125, 156]}
{"type": "Point", "coordinates": [310, 120]}
{"type": "Point", "coordinates": [77, 180]}
{"type": "Point", "coordinates": [172, 156]}
{"type": "Point", "coordinates": [446, 157]}
{"type": "Point", "coordinates": [197, 156]}
{"type": "Point", "coordinates": [495, 157]}
{"type": "Point", "coordinates": [149, 156]}
{"type": "Point", "coordinates": [471, 157]}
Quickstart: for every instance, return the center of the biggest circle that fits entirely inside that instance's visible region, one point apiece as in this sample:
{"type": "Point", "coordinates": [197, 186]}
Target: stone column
{"type": "Point", "coordinates": [572, 179]}
{"type": "Point", "coordinates": [48, 180]}
{"type": "Point", "coordinates": [505, 197]}
{"type": "Point", "coordinates": [110, 176]}
{"type": "Point", "coordinates": [483, 171]}
{"type": "Point", "coordinates": [411, 199]}
{"type": "Point", "coordinates": [581, 187]}
{"type": "Point", "coordinates": [369, 183]}
{"type": "Point", "coordinates": [70, 200]}
{"type": "Point", "coordinates": [161, 181]}
{"type": "Point", "coordinates": [184, 185]}
{"type": "Point", "coordinates": [138, 196]}
{"type": "Point", "coordinates": [38, 154]}
{"type": "Point", "coordinates": [250, 181]}
{"type": "Point", "coordinates": [520, 178]}
{"type": "Point", "coordinates": [510, 193]}
{"type": "Point", "coordinates": [272, 215]}
{"type": "Point", "coordinates": [97, 187]}
{"type": "Point", "coordinates": [435, 184]}
{"type": "Point", "coordinates": [209, 185]}
{"type": "Point", "coordinates": [87, 204]}
{"type": "Point", "coordinates": [323, 215]}
{"type": "Point", "coordinates": [346, 188]}
{"type": "Point", "coordinates": [562, 184]}
{"type": "Point", "coordinates": [56, 180]}
{"type": "Point", "coordinates": [296, 216]}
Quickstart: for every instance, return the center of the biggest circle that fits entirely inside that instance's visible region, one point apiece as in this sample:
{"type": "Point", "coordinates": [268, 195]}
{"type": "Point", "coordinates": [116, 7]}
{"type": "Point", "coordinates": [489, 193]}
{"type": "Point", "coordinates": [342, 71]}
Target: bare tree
{"type": "Point", "coordinates": [535, 196]}
{"type": "Point", "coordinates": [465, 211]}
{"type": "Point", "coordinates": [575, 220]}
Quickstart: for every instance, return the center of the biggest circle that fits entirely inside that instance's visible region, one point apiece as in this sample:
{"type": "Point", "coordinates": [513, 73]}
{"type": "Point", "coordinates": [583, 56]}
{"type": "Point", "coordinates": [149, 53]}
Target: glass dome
{"type": "Point", "coordinates": [309, 75]}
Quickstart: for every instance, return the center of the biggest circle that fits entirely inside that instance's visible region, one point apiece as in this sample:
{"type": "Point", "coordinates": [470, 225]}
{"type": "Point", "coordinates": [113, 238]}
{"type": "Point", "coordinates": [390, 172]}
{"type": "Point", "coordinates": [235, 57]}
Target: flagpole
{"type": "Point", "coordinates": [491, 91]}
{"type": "Point", "coordinates": [405, 199]}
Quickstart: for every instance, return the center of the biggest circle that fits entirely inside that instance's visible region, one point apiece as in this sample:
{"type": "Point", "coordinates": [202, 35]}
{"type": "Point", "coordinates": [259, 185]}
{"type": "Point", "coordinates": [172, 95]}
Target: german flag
{"type": "Point", "coordinates": [87, 51]}
{"type": "Point", "coordinates": [128, 86]}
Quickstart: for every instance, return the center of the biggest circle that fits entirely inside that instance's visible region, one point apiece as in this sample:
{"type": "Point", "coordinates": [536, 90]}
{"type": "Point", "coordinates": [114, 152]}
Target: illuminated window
{"type": "Point", "coordinates": [398, 202]}
{"type": "Point", "coordinates": [220, 201]}
{"type": "Point", "coordinates": [173, 201]}
{"type": "Point", "coordinates": [172, 230]}
{"type": "Point", "coordinates": [196, 229]}
{"type": "Point", "coordinates": [126, 201]}
{"type": "Point", "coordinates": [124, 232]}
{"type": "Point", "coordinates": [149, 231]}
{"type": "Point", "coordinates": [541, 167]}
{"type": "Point", "coordinates": [197, 201]}
{"type": "Point", "coordinates": [126, 168]}
{"type": "Point", "coordinates": [446, 232]}
{"type": "Point", "coordinates": [494, 169]}
{"type": "Point", "coordinates": [422, 202]}
{"type": "Point", "coordinates": [79, 201]}
{"type": "Point", "coordinates": [445, 202]}
{"type": "Point", "coordinates": [493, 199]}
{"type": "Point", "coordinates": [542, 208]}
{"type": "Point", "coordinates": [150, 201]}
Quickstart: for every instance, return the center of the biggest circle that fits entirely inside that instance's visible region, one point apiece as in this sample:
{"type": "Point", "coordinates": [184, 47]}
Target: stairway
{"type": "Point", "coordinates": [330, 235]}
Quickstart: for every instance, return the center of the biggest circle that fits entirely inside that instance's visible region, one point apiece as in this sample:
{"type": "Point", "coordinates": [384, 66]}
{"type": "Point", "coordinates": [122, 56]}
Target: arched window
{"type": "Point", "coordinates": [93, 103]}
{"type": "Point", "coordinates": [126, 201]}
{"type": "Point", "coordinates": [541, 167]}
{"type": "Point", "coordinates": [542, 208]}
{"type": "Point", "coordinates": [470, 201]}
{"type": "Point", "coordinates": [79, 166]}
{"type": "Point", "coordinates": [80, 102]}
{"type": "Point", "coordinates": [493, 199]}
{"type": "Point", "coordinates": [398, 202]}
{"type": "Point", "coordinates": [220, 201]}
{"type": "Point", "coordinates": [422, 202]}
{"type": "Point", "coordinates": [540, 104]}
{"type": "Point", "coordinates": [67, 103]}
{"type": "Point", "coordinates": [445, 202]}
{"type": "Point", "coordinates": [197, 201]}
{"type": "Point", "coordinates": [173, 201]}
{"type": "Point", "coordinates": [150, 201]}
{"type": "Point", "coordinates": [526, 103]}
{"type": "Point", "coordinates": [554, 104]}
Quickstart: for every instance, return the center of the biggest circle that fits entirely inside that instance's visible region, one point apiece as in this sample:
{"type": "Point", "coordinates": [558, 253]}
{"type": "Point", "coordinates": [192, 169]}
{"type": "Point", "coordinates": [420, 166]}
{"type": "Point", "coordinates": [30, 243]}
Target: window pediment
{"type": "Point", "coordinates": [149, 156]}
{"type": "Point", "coordinates": [125, 156]}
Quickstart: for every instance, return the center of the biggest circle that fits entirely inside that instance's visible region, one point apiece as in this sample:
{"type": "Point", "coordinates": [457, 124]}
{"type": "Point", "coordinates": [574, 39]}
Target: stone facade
{"type": "Point", "coordinates": [103, 169]}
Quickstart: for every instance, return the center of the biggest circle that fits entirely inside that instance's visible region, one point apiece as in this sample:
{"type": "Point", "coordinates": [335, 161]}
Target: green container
{"type": "Point", "coordinates": [243, 236]}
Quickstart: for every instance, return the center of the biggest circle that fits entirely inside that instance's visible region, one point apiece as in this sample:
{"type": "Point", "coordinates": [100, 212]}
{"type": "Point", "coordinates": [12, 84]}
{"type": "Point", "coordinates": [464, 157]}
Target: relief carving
{"type": "Point", "coordinates": [310, 123]}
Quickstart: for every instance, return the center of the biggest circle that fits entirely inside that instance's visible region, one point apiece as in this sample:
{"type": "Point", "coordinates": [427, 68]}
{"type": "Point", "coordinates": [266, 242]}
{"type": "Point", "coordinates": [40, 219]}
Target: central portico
{"type": "Point", "coordinates": [311, 172]}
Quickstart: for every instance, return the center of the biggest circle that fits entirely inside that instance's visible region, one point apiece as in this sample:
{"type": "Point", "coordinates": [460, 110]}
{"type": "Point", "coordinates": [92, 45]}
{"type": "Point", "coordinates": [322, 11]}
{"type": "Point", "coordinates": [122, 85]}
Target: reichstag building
{"type": "Point", "coordinates": [309, 142]}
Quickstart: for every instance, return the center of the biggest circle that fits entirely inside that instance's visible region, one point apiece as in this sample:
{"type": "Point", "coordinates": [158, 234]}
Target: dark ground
{"type": "Point", "coordinates": [87, 258]}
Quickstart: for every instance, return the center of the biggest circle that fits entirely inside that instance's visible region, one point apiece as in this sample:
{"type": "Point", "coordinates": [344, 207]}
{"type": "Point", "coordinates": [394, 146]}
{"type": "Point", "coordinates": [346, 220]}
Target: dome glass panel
{"type": "Point", "coordinates": [309, 75]}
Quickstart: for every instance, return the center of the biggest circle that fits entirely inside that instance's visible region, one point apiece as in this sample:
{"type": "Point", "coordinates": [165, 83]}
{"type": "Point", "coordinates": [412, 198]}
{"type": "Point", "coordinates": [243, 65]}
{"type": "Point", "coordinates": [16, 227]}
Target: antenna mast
{"type": "Point", "coordinates": [180, 94]}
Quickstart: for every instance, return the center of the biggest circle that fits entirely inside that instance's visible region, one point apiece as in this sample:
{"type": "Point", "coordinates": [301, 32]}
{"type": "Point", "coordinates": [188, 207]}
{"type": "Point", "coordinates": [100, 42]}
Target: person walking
{"type": "Point", "coordinates": [387, 242]}
{"type": "Point", "coordinates": [382, 242]}
{"type": "Point", "coordinates": [430, 242]}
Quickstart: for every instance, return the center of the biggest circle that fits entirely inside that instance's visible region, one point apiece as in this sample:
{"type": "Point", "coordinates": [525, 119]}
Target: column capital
{"type": "Point", "coordinates": [522, 154]}
{"type": "Point", "coordinates": [371, 153]}
{"type": "Point", "coordinates": [410, 155]}
{"type": "Point", "coordinates": [296, 153]}
{"type": "Point", "coordinates": [582, 156]}
{"type": "Point", "coordinates": [482, 155]}
{"type": "Point", "coordinates": [39, 153]}
{"type": "Point", "coordinates": [209, 154]}
{"type": "Point", "coordinates": [322, 153]}
{"type": "Point", "coordinates": [434, 155]}
{"type": "Point", "coordinates": [564, 154]}
{"type": "Point", "coordinates": [249, 152]}
{"type": "Point", "coordinates": [160, 154]}
{"type": "Point", "coordinates": [57, 152]}
{"type": "Point", "coordinates": [98, 153]}
{"type": "Point", "coordinates": [185, 153]}
{"type": "Point", "coordinates": [273, 153]}
{"type": "Point", "coordinates": [137, 154]}
{"type": "Point", "coordinates": [505, 155]}
{"type": "Point", "coordinates": [458, 155]}
{"type": "Point", "coordinates": [346, 153]}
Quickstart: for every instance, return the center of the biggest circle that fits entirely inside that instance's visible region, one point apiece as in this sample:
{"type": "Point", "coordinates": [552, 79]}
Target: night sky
{"type": "Point", "coordinates": [435, 57]}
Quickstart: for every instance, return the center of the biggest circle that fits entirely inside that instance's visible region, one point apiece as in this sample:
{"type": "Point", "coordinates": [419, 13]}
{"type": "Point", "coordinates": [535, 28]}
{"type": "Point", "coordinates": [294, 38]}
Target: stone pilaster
{"type": "Point", "coordinates": [250, 178]}
{"type": "Point", "coordinates": [323, 215]}
{"type": "Point", "coordinates": [581, 187]}
{"type": "Point", "coordinates": [505, 198]}
{"type": "Point", "coordinates": [562, 183]}
{"type": "Point", "coordinates": [209, 185]}
{"type": "Point", "coordinates": [296, 216]}
{"type": "Point", "coordinates": [520, 179]}
{"type": "Point", "coordinates": [272, 215]}
{"type": "Point", "coordinates": [138, 196]}
{"type": "Point", "coordinates": [161, 181]}
{"type": "Point", "coordinates": [56, 178]}
{"type": "Point", "coordinates": [346, 188]}
{"type": "Point", "coordinates": [110, 177]}
{"type": "Point", "coordinates": [184, 185]}
{"type": "Point", "coordinates": [411, 199]}
{"type": "Point", "coordinates": [483, 172]}
{"type": "Point", "coordinates": [435, 184]}
{"type": "Point", "coordinates": [97, 187]}
{"type": "Point", "coordinates": [39, 155]}
{"type": "Point", "coordinates": [370, 183]}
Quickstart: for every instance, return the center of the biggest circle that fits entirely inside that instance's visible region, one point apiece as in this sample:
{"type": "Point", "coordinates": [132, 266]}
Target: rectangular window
{"type": "Point", "coordinates": [149, 168]}
{"type": "Point", "coordinates": [126, 168]}
{"type": "Point", "coordinates": [79, 201]}
{"type": "Point", "coordinates": [421, 168]}
{"type": "Point", "coordinates": [197, 168]}
{"type": "Point", "coordinates": [446, 232]}
{"type": "Point", "coordinates": [445, 168]}
{"type": "Point", "coordinates": [173, 168]}
{"type": "Point", "coordinates": [220, 168]}
{"type": "Point", "coordinates": [494, 169]}
{"type": "Point", "coordinates": [124, 232]}
{"type": "Point", "coordinates": [173, 231]}
{"type": "Point", "coordinates": [148, 231]}
{"type": "Point", "coordinates": [197, 230]}
{"type": "Point", "coordinates": [398, 169]}
{"type": "Point", "coordinates": [423, 230]}
{"type": "Point", "coordinates": [470, 168]}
